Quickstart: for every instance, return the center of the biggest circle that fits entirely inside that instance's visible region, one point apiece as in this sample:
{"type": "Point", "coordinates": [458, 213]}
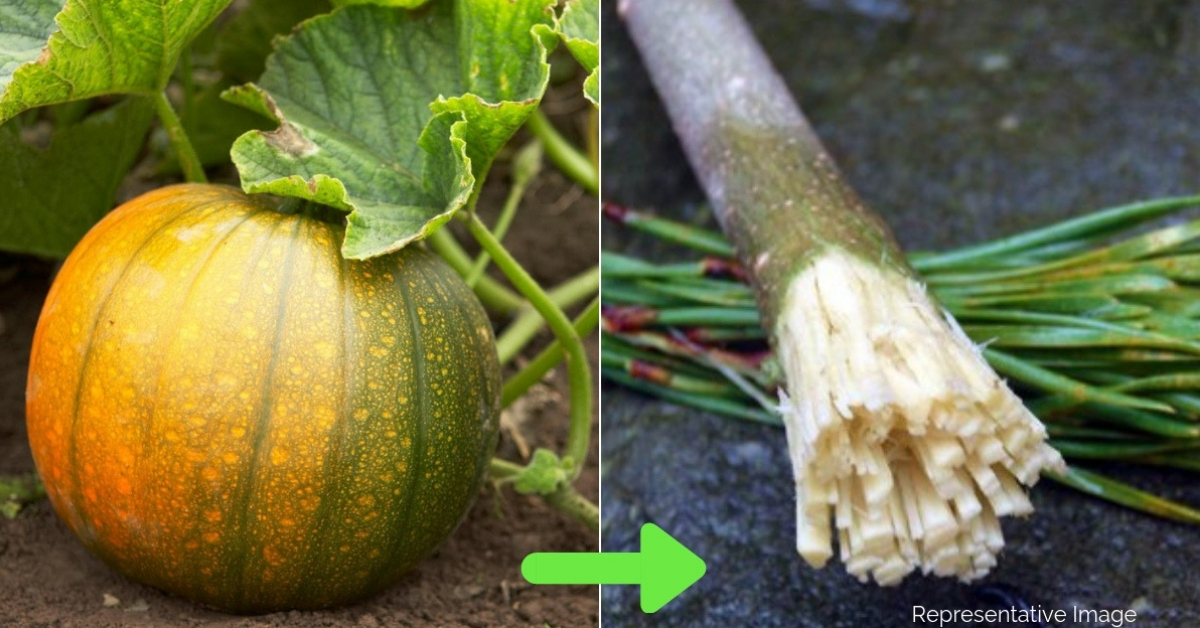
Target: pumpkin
{"type": "Point", "coordinates": [223, 407]}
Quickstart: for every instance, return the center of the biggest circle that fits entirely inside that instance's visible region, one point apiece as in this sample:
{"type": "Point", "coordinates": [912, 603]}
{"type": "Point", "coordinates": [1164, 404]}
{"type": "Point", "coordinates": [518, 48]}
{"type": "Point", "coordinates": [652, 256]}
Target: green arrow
{"type": "Point", "coordinates": [664, 568]}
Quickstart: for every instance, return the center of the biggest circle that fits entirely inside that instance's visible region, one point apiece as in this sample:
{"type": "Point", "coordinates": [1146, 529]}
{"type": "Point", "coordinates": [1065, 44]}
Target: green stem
{"type": "Point", "coordinates": [529, 321]}
{"type": "Point", "coordinates": [593, 137]}
{"type": "Point", "coordinates": [189, 89]}
{"type": "Point", "coordinates": [515, 194]}
{"type": "Point", "coordinates": [1088, 224]}
{"type": "Point", "coordinates": [1100, 486]}
{"type": "Point", "coordinates": [707, 403]}
{"type": "Point", "coordinates": [573, 163]}
{"type": "Point", "coordinates": [495, 297]}
{"type": "Point", "coordinates": [578, 372]}
{"type": "Point", "coordinates": [698, 238]}
{"type": "Point", "coordinates": [774, 188]}
{"type": "Point", "coordinates": [565, 499]}
{"type": "Point", "coordinates": [193, 171]}
{"type": "Point", "coordinates": [516, 385]}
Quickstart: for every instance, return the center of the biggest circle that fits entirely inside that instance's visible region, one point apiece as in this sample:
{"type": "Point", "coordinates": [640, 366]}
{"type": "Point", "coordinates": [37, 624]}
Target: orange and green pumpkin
{"type": "Point", "coordinates": [223, 407]}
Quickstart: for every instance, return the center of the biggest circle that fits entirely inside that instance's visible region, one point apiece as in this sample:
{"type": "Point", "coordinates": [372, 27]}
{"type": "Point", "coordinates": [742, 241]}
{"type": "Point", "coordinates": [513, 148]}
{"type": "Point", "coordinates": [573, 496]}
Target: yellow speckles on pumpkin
{"type": "Point", "coordinates": [211, 537]}
{"type": "Point", "coordinates": [272, 556]}
{"type": "Point", "coordinates": [212, 516]}
{"type": "Point", "coordinates": [123, 486]}
{"type": "Point", "coordinates": [171, 436]}
{"type": "Point", "coordinates": [230, 457]}
{"type": "Point", "coordinates": [249, 332]}
{"type": "Point", "coordinates": [365, 314]}
{"type": "Point", "coordinates": [387, 414]}
{"type": "Point", "coordinates": [388, 340]}
{"type": "Point", "coordinates": [324, 349]}
{"type": "Point", "coordinates": [366, 501]}
{"type": "Point", "coordinates": [279, 455]}
{"type": "Point", "coordinates": [390, 433]}
{"type": "Point", "coordinates": [237, 431]}
{"type": "Point", "coordinates": [194, 420]}
{"type": "Point", "coordinates": [297, 369]}
{"type": "Point", "coordinates": [361, 534]}
{"type": "Point", "coordinates": [325, 416]}
{"type": "Point", "coordinates": [378, 352]}
{"type": "Point", "coordinates": [344, 548]}
{"type": "Point", "coordinates": [402, 466]}
{"type": "Point", "coordinates": [361, 414]}
{"type": "Point", "coordinates": [195, 455]}
{"type": "Point", "coordinates": [287, 522]}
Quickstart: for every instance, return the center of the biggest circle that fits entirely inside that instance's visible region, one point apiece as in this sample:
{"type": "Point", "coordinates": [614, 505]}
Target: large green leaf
{"type": "Point", "coordinates": [245, 41]}
{"type": "Point", "coordinates": [94, 47]}
{"type": "Point", "coordinates": [579, 28]}
{"type": "Point", "coordinates": [395, 115]}
{"type": "Point", "coordinates": [50, 197]}
{"type": "Point", "coordinates": [25, 25]}
{"type": "Point", "coordinates": [242, 46]}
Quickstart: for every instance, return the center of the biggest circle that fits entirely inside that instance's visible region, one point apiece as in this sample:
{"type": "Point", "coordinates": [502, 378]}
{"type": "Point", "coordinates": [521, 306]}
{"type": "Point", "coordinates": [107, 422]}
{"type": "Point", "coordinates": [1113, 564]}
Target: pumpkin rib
{"type": "Point", "coordinates": [171, 337]}
{"type": "Point", "coordinates": [263, 238]}
{"type": "Point", "coordinates": [328, 508]}
{"type": "Point", "coordinates": [85, 359]}
{"type": "Point", "coordinates": [237, 566]}
{"type": "Point", "coordinates": [421, 386]}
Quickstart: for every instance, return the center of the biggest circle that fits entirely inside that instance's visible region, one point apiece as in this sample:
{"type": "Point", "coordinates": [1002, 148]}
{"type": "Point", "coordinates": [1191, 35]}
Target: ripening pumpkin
{"type": "Point", "coordinates": [223, 407]}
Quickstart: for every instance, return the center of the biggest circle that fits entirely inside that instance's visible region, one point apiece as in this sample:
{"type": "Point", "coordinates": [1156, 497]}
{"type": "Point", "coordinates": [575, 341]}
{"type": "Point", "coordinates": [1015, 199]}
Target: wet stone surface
{"type": "Point", "coordinates": [958, 121]}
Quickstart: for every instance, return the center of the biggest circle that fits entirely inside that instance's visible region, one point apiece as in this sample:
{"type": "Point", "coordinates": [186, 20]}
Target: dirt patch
{"type": "Point", "coordinates": [48, 579]}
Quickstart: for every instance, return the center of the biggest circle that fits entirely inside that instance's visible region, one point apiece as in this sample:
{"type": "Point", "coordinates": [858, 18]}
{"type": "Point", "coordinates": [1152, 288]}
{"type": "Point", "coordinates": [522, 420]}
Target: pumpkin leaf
{"type": "Point", "coordinates": [17, 492]}
{"type": "Point", "coordinates": [25, 25]}
{"type": "Point", "coordinates": [542, 476]}
{"type": "Point", "coordinates": [579, 28]}
{"type": "Point", "coordinates": [50, 197]}
{"type": "Point", "coordinates": [402, 129]}
{"type": "Point", "coordinates": [92, 47]}
{"type": "Point", "coordinates": [241, 47]}
{"type": "Point", "coordinates": [245, 42]}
